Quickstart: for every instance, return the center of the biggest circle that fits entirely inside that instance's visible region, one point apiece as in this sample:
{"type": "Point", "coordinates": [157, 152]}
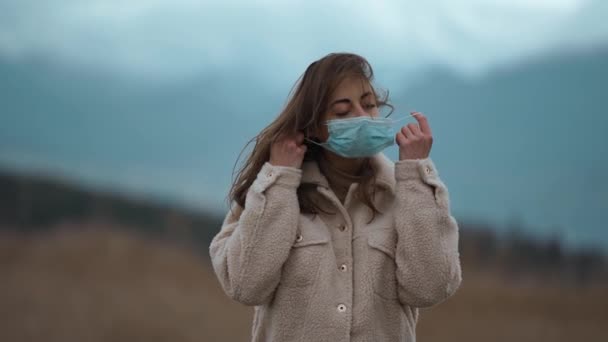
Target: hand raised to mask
{"type": "Point", "coordinates": [415, 140]}
{"type": "Point", "coordinates": [288, 150]}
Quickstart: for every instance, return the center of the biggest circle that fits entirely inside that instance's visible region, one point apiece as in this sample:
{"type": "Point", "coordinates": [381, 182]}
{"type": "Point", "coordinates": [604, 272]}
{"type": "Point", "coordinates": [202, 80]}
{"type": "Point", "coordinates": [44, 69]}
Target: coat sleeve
{"type": "Point", "coordinates": [254, 242]}
{"type": "Point", "coordinates": [427, 257]}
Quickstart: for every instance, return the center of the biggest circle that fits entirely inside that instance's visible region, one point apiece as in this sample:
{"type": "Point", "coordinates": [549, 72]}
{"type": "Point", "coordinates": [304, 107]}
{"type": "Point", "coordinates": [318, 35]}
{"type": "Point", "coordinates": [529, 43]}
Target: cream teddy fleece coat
{"type": "Point", "coordinates": [339, 277]}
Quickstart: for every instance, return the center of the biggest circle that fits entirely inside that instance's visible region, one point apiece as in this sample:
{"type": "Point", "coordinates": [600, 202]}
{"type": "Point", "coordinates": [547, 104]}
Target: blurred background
{"type": "Point", "coordinates": [121, 122]}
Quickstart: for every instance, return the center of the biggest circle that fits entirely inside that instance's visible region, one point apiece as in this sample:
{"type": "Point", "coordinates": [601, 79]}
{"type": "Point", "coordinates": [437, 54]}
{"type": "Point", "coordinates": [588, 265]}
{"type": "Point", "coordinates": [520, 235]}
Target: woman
{"type": "Point", "coordinates": [328, 238]}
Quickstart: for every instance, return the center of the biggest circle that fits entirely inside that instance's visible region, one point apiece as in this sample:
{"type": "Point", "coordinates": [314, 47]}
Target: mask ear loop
{"type": "Point", "coordinates": [403, 118]}
{"type": "Point", "coordinates": [312, 141]}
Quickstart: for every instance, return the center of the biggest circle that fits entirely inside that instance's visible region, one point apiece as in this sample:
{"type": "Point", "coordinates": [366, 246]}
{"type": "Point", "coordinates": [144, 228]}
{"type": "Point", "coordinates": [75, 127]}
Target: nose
{"type": "Point", "coordinates": [358, 110]}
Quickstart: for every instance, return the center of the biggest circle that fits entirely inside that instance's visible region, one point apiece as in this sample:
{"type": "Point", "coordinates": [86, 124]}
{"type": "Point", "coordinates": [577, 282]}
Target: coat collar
{"type": "Point", "coordinates": [385, 172]}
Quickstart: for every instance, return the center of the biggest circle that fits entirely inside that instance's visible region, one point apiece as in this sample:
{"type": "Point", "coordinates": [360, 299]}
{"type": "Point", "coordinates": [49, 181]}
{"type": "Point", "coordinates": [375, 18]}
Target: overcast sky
{"type": "Point", "coordinates": [169, 39]}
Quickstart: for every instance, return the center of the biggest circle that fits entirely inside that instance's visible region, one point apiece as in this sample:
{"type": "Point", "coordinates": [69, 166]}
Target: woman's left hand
{"type": "Point", "coordinates": [415, 140]}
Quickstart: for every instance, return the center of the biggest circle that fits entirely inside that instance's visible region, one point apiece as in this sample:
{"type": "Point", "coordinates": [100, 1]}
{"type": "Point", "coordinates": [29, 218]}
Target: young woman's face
{"type": "Point", "coordinates": [353, 97]}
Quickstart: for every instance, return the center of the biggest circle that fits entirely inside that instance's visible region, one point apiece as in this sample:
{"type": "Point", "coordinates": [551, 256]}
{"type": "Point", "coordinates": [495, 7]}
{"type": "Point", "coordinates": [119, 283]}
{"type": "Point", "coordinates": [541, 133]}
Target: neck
{"type": "Point", "coordinates": [341, 173]}
{"type": "Point", "coordinates": [349, 166]}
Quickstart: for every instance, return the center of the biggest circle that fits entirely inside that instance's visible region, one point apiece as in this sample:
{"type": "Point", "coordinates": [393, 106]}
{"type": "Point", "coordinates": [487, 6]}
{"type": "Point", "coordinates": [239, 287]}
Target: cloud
{"type": "Point", "coordinates": [175, 38]}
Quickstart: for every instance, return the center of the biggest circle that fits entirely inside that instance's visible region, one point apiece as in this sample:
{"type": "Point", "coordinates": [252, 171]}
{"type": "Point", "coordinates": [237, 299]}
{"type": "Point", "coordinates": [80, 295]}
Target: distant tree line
{"type": "Point", "coordinates": [32, 203]}
{"type": "Point", "coordinates": [516, 254]}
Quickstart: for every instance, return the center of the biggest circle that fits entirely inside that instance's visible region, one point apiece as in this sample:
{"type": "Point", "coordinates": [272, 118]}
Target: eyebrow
{"type": "Point", "coordinates": [367, 93]}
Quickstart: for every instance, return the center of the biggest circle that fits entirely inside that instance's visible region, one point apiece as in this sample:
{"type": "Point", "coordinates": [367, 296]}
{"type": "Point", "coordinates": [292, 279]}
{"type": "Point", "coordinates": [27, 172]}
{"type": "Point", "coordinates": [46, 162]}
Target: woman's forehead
{"type": "Point", "coordinates": [351, 86]}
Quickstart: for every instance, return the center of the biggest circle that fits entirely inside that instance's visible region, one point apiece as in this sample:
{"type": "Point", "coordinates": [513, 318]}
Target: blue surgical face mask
{"type": "Point", "coordinates": [359, 137]}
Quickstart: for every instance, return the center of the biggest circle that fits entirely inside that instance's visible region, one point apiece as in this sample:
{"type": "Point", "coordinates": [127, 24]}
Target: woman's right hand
{"type": "Point", "coordinates": [288, 151]}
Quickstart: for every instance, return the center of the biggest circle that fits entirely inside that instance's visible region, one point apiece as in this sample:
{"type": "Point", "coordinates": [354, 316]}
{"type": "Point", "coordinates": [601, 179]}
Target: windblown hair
{"type": "Point", "coordinates": [303, 112]}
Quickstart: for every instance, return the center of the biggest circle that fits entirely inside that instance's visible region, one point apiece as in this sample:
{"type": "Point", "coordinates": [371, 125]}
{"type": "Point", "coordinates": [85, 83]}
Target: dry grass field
{"type": "Point", "coordinates": [86, 283]}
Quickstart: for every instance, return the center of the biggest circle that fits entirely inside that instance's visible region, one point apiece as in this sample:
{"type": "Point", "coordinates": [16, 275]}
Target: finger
{"type": "Point", "coordinates": [424, 124]}
{"type": "Point", "coordinates": [279, 138]}
{"type": "Point", "coordinates": [407, 132]}
{"type": "Point", "coordinates": [415, 129]}
{"type": "Point", "coordinates": [400, 138]}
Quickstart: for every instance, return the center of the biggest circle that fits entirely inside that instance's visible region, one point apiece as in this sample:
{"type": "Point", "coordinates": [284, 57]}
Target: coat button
{"type": "Point", "coordinates": [342, 228]}
{"type": "Point", "coordinates": [341, 308]}
{"type": "Point", "coordinates": [299, 238]}
{"type": "Point", "coordinates": [343, 268]}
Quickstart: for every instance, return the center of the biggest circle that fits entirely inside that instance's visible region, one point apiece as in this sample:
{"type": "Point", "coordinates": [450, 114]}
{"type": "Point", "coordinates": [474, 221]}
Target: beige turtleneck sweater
{"type": "Point", "coordinates": [339, 181]}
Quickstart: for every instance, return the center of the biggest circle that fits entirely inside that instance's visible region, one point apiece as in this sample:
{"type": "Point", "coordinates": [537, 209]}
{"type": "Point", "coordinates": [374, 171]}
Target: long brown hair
{"type": "Point", "coordinates": [303, 112]}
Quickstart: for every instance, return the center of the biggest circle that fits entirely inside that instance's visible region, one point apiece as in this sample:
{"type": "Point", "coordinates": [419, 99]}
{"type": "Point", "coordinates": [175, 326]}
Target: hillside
{"type": "Point", "coordinates": [503, 140]}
